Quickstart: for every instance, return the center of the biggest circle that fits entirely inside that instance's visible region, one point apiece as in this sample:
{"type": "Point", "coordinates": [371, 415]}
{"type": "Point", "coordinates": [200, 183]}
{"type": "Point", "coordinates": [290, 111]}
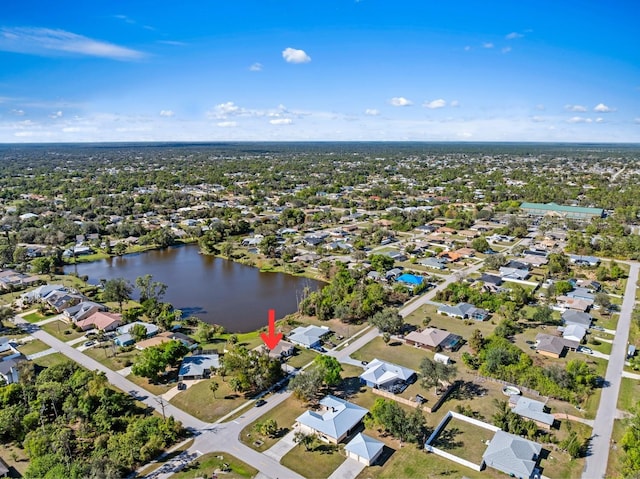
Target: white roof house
{"type": "Point", "coordinates": [364, 449]}
{"type": "Point", "coordinates": [574, 332]}
{"type": "Point", "coordinates": [198, 367]}
{"type": "Point", "coordinates": [380, 373]}
{"type": "Point", "coordinates": [532, 409]}
{"type": "Point", "coordinates": [337, 419]}
{"type": "Point", "coordinates": [41, 292]}
{"type": "Point", "coordinates": [126, 329]}
{"type": "Point", "coordinates": [308, 336]}
{"type": "Point", "coordinates": [512, 455]}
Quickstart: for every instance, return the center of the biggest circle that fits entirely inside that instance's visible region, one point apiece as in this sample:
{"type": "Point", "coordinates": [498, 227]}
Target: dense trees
{"type": "Point", "coordinates": [251, 371]}
{"type": "Point", "coordinates": [388, 321]}
{"type": "Point", "coordinates": [118, 290]}
{"type": "Point", "coordinates": [389, 416]}
{"type": "Point", "coordinates": [155, 359]}
{"type": "Point", "coordinates": [73, 424]}
{"type": "Point", "coordinates": [434, 374]}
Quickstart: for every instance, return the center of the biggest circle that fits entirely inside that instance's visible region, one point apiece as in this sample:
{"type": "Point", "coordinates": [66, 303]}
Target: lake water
{"type": "Point", "coordinates": [216, 290]}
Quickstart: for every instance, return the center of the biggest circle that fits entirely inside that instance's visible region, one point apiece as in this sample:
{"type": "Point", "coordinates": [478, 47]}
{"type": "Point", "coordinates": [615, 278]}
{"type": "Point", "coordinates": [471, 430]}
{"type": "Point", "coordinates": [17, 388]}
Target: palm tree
{"type": "Point", "coordinates": [213, 386]}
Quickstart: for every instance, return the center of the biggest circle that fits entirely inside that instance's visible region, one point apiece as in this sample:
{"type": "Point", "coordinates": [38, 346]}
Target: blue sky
{"type": "Point", "coordinates": [319, 70]}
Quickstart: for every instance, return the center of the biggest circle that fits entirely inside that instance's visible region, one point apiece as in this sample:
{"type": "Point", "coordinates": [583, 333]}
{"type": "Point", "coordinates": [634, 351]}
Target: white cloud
{"type": "Point", "coordinates": [292, 55]}
{"type": "Point", "coordinates": [400, 101]}
{"type": "Point", "coordinates": [506, 50]}
{"type": "Point", "coordinates": [579, 119]}
{"type": "Point", "coordinates": [537, 119]}
{"type": "Point", "coordinates": [227, 124]}
{"type": "Point", "coordinates": [575, 108]}
{"type": "Point", "coordinates": [173, 43]}
{"type": "Point", "coordinates": [514, 35]}
{"type": "Point", "coordinates": [454, 103]}
{"type": "Point", "coordinates": [599, 120]}
{"type": "Point", "coordinates": [602, 108]}
{"type": "Point", "coordinates": [57, 114]}
{"type": "Point", "coordinates": [488, 45]}
{"type": "Point", "coordinates": [434, 104]}
{"type": "Point", "coordinates": [50, 42]}
{"type": "Point", "coordinates": [167, 113]}
{"type": "Point", "coordinates": [281, 121]}
{"type": "Point", "coordinates": [18, 112]}
{"type": "Point", "coordinates": [223, 110]}
{"type": "Point", "coordinates": [125, 19]}
{"type": "Point", "coordinates": [371, 112]}
{"type": "Point", "coordinates": [256, 67]}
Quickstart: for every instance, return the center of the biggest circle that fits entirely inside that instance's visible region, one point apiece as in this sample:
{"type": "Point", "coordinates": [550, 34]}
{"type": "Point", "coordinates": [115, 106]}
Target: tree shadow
{"type": "Point", "coordinates": [467, 390]}
{"type": "Point", "coordinates": [447, 439]}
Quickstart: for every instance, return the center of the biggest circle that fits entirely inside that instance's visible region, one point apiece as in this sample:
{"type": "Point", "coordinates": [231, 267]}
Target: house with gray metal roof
{"type": "Point", "coordinates": [513, 455]}
{"type": "Point", "coordinates": [384, 375]}
{"type": "Point", "coordinates": [580, 318]}
{"type": "Point", "coordinates": [533, 410]}
{"type": "Point", "coordinates": [334, 422]}
{"type": "Point", "coordinates": [308, 336]}
{"type": "Point", "coordinates": [464, 311]}
{"type": "Point", "coordinates": [198, 367]}
{"type": "Point", "coordinates": [564, 211]}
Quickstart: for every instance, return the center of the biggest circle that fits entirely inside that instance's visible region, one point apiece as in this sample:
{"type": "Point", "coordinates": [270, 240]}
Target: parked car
{"type": "Point", "coordinates": [260, 402]}
{"type": "Point", "coordinates": [181, 386]}
{"type": "Point", "coordinates": [89, 343]}
{"type": "Point", "coordinates": [586, 350]}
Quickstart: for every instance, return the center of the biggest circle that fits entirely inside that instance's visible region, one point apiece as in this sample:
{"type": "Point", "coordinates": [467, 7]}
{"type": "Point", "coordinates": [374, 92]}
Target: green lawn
{"type": "Point", "coordinates": [32, 347]}
{"type": "Point", "coordinates": [51, 360]}
{"type": "Point", "coordinates": [394, 352]}
{"type": "Point", "coordinates": [15, 457]}
{"type": "Point", "coordinates": [104, 354]}
{"type": "Point", "coordinates": [604, 347]}
{"type": "Point", "coordinates": [209, 463]}
{"type": "Point", "coordinates": [464, 440]}
{"type": "Point", "coordinates": [301, 357]}
{"type": "Point", "coordinates": [36, 316]}
{"type": "Point", "coordinates": [629, 394]}
{"type": "Point", "coordinates": [284, 414]}
{"type": "Point", "coordinates": [156, 389]}
{"type": "Point", "coordinates": [199, 401]}
{"type": "Point", "coordinates": [325, 459]}
{"type": "Point", "coordinates": [61, 330]}
{"type": "Point", "coordinates": [614, 466]}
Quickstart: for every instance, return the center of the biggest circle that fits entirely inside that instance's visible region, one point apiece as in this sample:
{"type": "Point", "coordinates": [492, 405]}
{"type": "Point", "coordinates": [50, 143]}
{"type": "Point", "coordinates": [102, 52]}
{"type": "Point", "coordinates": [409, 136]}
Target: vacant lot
{"type": "Point", "coordinates": [199, 401]}
{"type": "Point", "coordinates": [207, 464]}
{"type": "Point", "coordinates": [111, 356]}
{"type": "Point", "coordinates": [464, 440]}
{"type": "Point", "coordinates": [33, 347]}
{"type": "Point", "coordinates": [324, 457]}
{"type": "Point", "coordinates": [61, 330]}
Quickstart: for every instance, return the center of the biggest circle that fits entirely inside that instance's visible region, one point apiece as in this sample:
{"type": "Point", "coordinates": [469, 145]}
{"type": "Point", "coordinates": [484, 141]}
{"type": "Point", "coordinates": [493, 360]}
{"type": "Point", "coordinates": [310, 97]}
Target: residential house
{"type": "Point", "coordinates": [4, 468]}
{"type": "Point", "coordinates": [554, 346]}
{"type": "Point", "coordinates": [579, 318]}
{"type": "Point", "coordinates": [589, 285]}
{"type": "Point", "coordinates": [40, 293]}
{"type": "Point", "coordinates": [101, 320]}
{"type": "Point", "coordinates": [10, 279]}
{"type": "Point", "coordinates": [534, 260]}
{"type": "Point", "coordinates": [491, 279]}
{"type": "Point", "coordinates": [517, 265]}
{"type": "Point", "coordinates": [334, 422]}
{"type": "Point", "coordinates": [9, 369]}
{"type": "Point", "coordinates": [465, 252]}
{"type": "Point", "coordinates": [574, 332]}
{"type": "Point", "coordinates": [451, 256]}
{"type": "Point", "coordinates": [563, 211]}
{"type": "Point", "coordinates": [514, 273]}
{"type": "Point", "coordinates": [533, 410]}
{"type": "Point", "coordinates": [383, 375]}
{"type": "Point", "coordinates": [308, 336]}
{"type": "Point", "coordinates": [125, 338]}
{"type": "Point", "coordinates": [364, 449]}
{"type": "Point", "coordinates": [61, 300]}
{"type": "Point", "coordinates": [283, 350]}
{"type": "Point", "coordinates": [198, 367]}
{"type": "Point", "coordinates": [81, 310]}
{"type": "Point", "coordinates": [584, 260]}
{"type": "Point", "coordinates": [581, 293]}
{"type": "Point", "coordinates": [565, 302]}
{"type": "Point", "coordinates": [433, 263]}
{"type": "Point", "coordinates": [434, 339]}
{"type": "Point", "coordinates": [464, 311]}
{"type": "Point", "coordinates": [513, 455]}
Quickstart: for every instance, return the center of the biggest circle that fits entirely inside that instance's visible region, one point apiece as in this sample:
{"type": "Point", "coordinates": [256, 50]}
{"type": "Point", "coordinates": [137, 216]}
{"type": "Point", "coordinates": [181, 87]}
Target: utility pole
{"type": "Point", "coordinates": [162, 404]}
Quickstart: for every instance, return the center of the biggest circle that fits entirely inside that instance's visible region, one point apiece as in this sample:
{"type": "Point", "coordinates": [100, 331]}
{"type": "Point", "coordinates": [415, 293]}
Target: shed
{"type": "Point", "coordinates": [364, 449]}
{"type": "Point", "coordinates": [441, 358]}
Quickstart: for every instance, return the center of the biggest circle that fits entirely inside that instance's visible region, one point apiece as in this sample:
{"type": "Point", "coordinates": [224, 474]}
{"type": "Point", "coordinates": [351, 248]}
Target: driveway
{"type": "Point", "coordinates": [349, 469]}
{"type": "Point", "coordinates": [596, 461]}
{"type": "Point", "coordinates": [282, 447]}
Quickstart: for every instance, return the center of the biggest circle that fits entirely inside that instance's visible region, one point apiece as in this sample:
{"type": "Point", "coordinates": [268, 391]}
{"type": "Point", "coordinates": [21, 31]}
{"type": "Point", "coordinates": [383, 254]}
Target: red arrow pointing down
{"type": "Point", "coordinates": [272, 339]}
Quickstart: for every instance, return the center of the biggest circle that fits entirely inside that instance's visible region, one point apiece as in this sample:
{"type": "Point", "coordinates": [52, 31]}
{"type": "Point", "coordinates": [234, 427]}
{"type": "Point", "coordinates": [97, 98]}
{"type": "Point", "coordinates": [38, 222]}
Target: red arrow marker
{"type": "Point", "coordinates": [272, 339]}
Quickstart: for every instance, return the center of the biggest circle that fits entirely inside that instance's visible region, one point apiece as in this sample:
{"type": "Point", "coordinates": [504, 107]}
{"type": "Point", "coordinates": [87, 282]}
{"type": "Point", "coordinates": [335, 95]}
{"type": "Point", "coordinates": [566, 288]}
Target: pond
{"type": "Point", "coordinates": [215, 290]}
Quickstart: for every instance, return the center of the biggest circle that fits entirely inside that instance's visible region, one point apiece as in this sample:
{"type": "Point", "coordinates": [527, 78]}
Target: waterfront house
{"type": "Point", "coordinates": [308, 336]}
{"type": "Point", "coordinates": [101, 320]}
{"type": "Point", "coordinates": [198, 366]}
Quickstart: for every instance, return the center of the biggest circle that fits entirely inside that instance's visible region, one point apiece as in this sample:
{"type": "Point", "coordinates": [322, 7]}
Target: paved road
{"type": "Point", "coordinates": [596, 462]}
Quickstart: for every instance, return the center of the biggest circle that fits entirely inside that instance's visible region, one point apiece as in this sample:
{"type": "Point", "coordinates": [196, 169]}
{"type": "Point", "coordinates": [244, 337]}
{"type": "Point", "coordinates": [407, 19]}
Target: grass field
{"type": "Point", "coordinates": [284, 414]}
{"type": "Point", "coordinates": [156, 389]}
{"type": "Point", "coordinates": [61, 330]}
{"type": "Point", "coordinates": [614, 466]}
{"type": "Point", "coordinates": [51, 360]}
{"type": "Point", "coordinates": [199, 401]}
{"type": "Point", "coordinates": [463, 440]}
{"type": "Point", "coordinates": [32, 347]}
{"type": "Point", "coordinates": [301, 357]}
{"type": "Point", "coordinates": [36, 317]}
{"type": "Point", "coordinates": [104, 354]}
{"type": "Point", "coordinates": [629, 394]}
{"type": "Point", "coordinates": [394, 352]}
{"type": "Point", "coordinates": [325, 459]}
{"type": "Point", "coordinates": [207, 464]}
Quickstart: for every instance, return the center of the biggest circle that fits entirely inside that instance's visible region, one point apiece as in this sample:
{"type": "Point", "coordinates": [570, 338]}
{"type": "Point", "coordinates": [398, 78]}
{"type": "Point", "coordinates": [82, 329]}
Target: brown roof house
{"type": "Point", "coordinates": [434, 339]}
{"type": "Point", "coordinates": [554, 346]}
{"type": "Point", "coordinates": [101, 320]}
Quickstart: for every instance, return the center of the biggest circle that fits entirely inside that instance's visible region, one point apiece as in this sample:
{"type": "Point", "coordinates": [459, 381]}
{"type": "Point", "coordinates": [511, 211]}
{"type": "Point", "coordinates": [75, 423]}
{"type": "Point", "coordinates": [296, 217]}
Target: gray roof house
{"type": "Point", "coordinates": [513, 455]}
{"type": "Point", "coordinates": [383, 375]}
{"type": "Point", "coordinates": [198, 367]}
{"type": "Point", "coordinates": [574, 332]}
{"type": "Point", "coordinates": [40, 292]}
{"type": "Point", "coordinates": [364, 449]}
{"type": "Point", "coordinates": [82, 310]}
{"type": "Point", "coordinates": [308, 336]}
{"type": "Point", "coordinates": [9, 369]}
{"type": "Point", "coordinates": [433, 263]}
{"type": "Point", "coordinates": [586, 260]}
{"type": "Point", "coordinates": [334, 422]}
{"type": "Point", "coordinates": [532, 409]}
{"type": "Point", "coordinates": [464, 311]}
{"type": "Point", "coordinates": [514, 273]}
{"type": "Point", "coordinates": [571, 316]}
{"type": "Point", "coordinates": [152, 329]}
